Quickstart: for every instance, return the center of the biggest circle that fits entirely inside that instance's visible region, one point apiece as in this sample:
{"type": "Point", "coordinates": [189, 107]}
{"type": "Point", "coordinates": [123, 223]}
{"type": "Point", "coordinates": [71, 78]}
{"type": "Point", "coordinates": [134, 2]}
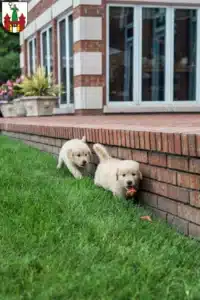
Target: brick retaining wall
{"type": "Point", "coordinates": [171, 179]}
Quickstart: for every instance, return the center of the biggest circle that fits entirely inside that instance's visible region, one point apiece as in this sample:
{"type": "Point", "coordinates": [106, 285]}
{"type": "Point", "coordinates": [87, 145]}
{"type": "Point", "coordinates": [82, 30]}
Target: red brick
{"type": "Point", "coordinates": [119, 139]}
{"type": "Point", "coordinates": [192, 145]}
{"type": "Point", "coordinates": [164, 142]}
{"type": "Point", "coordinates": [194, 165]}
{"type": "Point", "coordinates": [184, 144]}
{"type": "Point", "coordinates": [158, 141]}
{"type": "Point", "coordinates": [147, 140]}
{"type": "Point", "coordinates": [127, 138]}
{"type": "Point", "coordinates": [157, 159]}
{"type": "Point", "coordinates": [190, 181]}
{"type": "Point", "coordinates": [167, 205]}
{"type": "Point", "coordinates": [159, 188]}
{"type": "Point", "coordinates": [132, 139]}
{"type": "Point", "coordinates": [142, 141]}
{"type": "Point", "coordinates": [170, 137]}
{"type": "Point", "coordinates": [153, 140]}
{"type": "Point", "coordinates": [177, 193]}
{"type": "Point", "coordinates": [123, 138]}
{"type": "Point", "coordinates": [194, 230]}
{"type": "Point", "coordinates": [177, 143]}
{"type": "Point", "coordinates": [137, 140]}
{"type": "Point", "coordinates": [189, 213]}
{"type": "Point", "coordinates": [195, 198]}
{"type": "Point", "coordinates": [166, 175]}
{"type": "Point", "coordinates": [180, 224]}
{"type": "Point", "coordinates": [198, 145]}
{"type": "Point", "coordinates": [113, 150]}
{"type": "Point", "coordinates": [152, 172]}
{"type": "Point", "coordinates": [177, 162]}
{"type": "Point", "coordinates": [124, 153]}
{"type": "Point", "coordinates": [140, 156]}
{"type": "Point", "coordinates": [144, 168]}
{"type": "Point", "coordinates": [159, 213]}
{"type": "Point", "coordinates": [115, 139]}
{"type": "Point", "coordinates": [148, 198]}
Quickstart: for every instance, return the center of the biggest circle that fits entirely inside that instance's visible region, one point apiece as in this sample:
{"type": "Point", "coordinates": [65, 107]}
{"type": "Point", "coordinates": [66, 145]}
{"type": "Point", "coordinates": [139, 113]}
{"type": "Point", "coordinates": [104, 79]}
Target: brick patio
{"type": "Point", "coordinates": [167, 146]}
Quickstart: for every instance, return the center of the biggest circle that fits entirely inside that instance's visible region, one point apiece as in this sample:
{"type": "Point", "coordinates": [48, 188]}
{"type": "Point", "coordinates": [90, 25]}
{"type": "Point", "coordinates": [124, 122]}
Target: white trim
{"type": "Point", "coordinates": [32, 41]}
{"type": "Point", "coordinates": [145, 106]}
{"type": "Point", "coordinates": [121, 108]}
{"type": "Point", "coordinates": [67, 106]}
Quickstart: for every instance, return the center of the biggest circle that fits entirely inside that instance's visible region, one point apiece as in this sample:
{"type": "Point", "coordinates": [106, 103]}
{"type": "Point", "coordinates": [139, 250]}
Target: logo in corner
{"type": "Point", "coordinates": [14, 16]}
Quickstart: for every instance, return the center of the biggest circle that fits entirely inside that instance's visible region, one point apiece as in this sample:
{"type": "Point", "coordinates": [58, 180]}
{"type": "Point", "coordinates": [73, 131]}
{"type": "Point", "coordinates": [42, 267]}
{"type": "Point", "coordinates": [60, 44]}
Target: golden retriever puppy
{"type": "Point", "coordinates": [75, 154]}
{"type": "Point", "coordinates": [118, 176]}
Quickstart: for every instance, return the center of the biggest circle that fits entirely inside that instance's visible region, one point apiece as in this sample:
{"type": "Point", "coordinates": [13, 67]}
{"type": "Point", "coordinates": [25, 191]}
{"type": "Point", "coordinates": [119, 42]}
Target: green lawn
{"type": "Point", "coordinates": [63, 239]}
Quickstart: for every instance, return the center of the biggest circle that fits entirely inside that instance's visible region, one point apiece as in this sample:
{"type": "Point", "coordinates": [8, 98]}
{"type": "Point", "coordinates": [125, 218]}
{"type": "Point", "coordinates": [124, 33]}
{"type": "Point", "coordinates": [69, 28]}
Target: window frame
{"type": "Point", "coordinates": [168, 104]}
{"type": "Point", "coordinates": [68, 103]}
{"type": "Point", "coordinates": [32, 41]}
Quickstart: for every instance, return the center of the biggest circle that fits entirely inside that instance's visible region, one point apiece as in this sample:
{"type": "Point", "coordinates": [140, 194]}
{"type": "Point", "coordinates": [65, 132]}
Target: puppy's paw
{"type": "Point", "coordinates": [58, 166]}
{"type": "Point", "coordinates": [78, 176]}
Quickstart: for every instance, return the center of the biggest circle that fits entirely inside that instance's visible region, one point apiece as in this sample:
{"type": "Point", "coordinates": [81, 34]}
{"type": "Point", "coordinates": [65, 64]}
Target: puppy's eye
{"type": "Point", "coordinates": [133, 174]}
{"type": "Point", "coordinates": [78, 155]}
{"type": "Point", "coordinates": [86, 154]}
{"type": "Point", "coordinates": [124, 175]}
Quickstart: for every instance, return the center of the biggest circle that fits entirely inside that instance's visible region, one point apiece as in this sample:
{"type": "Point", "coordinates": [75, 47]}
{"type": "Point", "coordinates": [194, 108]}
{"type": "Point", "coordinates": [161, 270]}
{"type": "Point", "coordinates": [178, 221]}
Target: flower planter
{"type": "Point", "coordinates": [8, 110]}
{"type": "Point", "coordinates": [19, 107]}
{"type": "Point", "coordinates": [39, 106]}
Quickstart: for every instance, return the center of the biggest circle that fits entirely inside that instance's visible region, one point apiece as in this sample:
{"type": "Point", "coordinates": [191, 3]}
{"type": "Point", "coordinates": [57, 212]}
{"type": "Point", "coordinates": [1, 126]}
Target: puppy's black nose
{"type": "Point", "coordinates": [129, 183]}
{"type": "Point", "coordinates": [84, 162]}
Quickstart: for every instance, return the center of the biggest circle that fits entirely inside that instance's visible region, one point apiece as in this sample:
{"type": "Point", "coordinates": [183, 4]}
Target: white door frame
{"type": "Point", "coordinates": [153, 106]}
{"type": "Point", "coordinates": [47, 30]}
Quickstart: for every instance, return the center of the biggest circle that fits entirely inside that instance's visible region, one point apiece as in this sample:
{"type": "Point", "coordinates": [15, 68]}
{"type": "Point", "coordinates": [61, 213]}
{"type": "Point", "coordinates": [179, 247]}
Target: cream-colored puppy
{"type": "Point", "coordinates": [116, 175]}
{"type": "Point", "coordinates": [75, 154]}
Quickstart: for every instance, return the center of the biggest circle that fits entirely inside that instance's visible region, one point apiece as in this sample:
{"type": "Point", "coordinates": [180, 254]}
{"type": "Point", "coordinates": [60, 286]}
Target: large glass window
{"type": "Point", "coordinates": [65, 57]}
{"type": "Point", "coordinates": [31, 56]}
{"type": "Point", "coordinates": [153, 54]}
{"type": "Point", "coordinates": [121, 54]}
{"type": "Point", "coordinates": [47, 59]}
{"type": "Point", "coordinates": [185, 37]}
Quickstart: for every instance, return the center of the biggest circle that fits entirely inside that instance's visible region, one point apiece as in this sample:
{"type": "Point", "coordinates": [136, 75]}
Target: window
{"type": "Point", "coordinates": [152, 55]}
{"type": "Point", "coordinates": [46, 53]}
{"type": "Point", "coordinates": [31, 56]}
{"type": "Point", "coordinates": [65, 59]}
{"type": "Point", "coordinates": [121, 54]}
{"type": "Point", "coordinates": [185, 37]}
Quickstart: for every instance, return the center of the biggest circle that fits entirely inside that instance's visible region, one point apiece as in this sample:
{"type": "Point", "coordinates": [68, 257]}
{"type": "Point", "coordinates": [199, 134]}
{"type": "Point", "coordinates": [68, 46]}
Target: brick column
{"type": "Point", "coordinates": [38, 49]}
{"type": "Point", "coordinates": [55, 50]}
{"type": "Point", "coordinates": [88, 56]}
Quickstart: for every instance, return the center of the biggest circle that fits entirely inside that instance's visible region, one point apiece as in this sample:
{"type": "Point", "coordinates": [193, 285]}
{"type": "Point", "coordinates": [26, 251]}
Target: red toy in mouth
{"type": "Point", "coordinates": [131, 191]}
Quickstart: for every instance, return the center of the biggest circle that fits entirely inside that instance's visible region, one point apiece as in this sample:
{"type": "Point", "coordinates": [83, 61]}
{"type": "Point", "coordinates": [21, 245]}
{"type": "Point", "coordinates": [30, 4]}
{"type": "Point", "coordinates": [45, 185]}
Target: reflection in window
{"type": "Point", "coordinates": [63, 62]}
{"type": "Point", "coordinates": [121, 54]}
{"type": "Point", "coordinates": [32, 56]}
{"type": "Point", "coordinates": [153, 53]}
{"type": "Point", "coordinates": [50, 51]}
{"type": "Point", "coordinates": [71, 62]}
{"type": "Point", "coordinates": [185, 36]}
{"type": "Point", "coordinates": [44, 51]}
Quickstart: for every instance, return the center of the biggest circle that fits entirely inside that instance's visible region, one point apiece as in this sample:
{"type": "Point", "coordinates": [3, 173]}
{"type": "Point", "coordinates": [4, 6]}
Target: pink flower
{"type": "Point", "coordinates": [9, 83]}
{"type": "Point", "coordinates": [18, 80]}
{"type": "Point", "coordinates": [10, 93]}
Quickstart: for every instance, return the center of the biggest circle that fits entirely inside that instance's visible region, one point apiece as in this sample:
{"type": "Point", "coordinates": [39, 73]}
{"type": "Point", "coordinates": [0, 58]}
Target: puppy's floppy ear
{"type": "Point", "coordinates": [117, 175]}
{"type": "Point", "coordinates": [83, 139]}
{"type": "Point", "coordinates": [140, 175]}
{"type": "Point", "coordinates": [70, 153]}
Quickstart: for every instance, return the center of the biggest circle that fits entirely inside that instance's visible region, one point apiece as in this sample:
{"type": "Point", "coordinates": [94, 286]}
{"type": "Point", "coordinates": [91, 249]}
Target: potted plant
{"type": "Point", "coordinates": [40, 93]}
{"type": "Point", "coordinates": [18, 103]}
{"type": "Point", "coordinates": [6, 97]}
